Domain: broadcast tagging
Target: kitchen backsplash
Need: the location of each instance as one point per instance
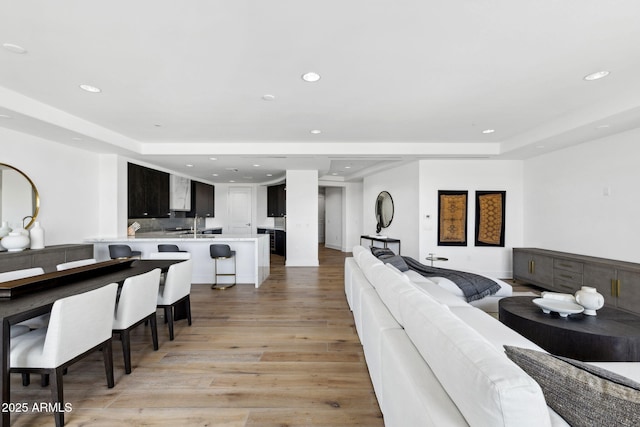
(166, 224)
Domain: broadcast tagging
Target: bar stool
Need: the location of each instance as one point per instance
(169, 248)
(219, 252)
(123, 251)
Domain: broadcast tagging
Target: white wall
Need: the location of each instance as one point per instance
(302, 218)
(471, 175)
(402, 184)
(566, 206)
(67, 179)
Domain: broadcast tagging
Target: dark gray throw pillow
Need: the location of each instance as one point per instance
(379, 252)
(582, 394)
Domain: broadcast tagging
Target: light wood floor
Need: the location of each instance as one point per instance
(285, 354)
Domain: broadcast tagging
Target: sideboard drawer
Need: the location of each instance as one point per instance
(568, 265)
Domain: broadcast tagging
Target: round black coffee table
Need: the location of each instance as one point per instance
(610, 336)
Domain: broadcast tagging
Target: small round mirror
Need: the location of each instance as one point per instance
(19, 199)
(384, 210)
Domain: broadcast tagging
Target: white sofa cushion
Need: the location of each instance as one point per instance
(375, 319)
(440, 295)
(489, 389)
(358, 250)
(492, 329)
(390, 286)
(412, 395)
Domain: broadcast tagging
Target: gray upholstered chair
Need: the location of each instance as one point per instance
(122, 251)
(169, 248)
(222, 252)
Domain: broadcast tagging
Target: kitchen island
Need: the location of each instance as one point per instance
(252, 253)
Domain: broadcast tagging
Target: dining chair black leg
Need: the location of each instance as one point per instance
(167, 313)
(107, 354)
(154, 330)
(188, 307)
(169, 318)
(57, 395)
(44, 380)
(26, 379)
(126, 350)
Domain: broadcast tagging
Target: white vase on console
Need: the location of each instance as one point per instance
(15, 241)
(37, 236)
(590, 299)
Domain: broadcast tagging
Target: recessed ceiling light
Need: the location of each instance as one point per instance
(488, 131)
(268, 97)
(347, 167)
(213, 158)
(335, 173)
(596, 75)
(269, 174)
(90, 88)
(231, 180)
(4, 116)
(214, 174)
(316, 131)
(311, 77)
(189, 165)
(14, 48)
(603, 127)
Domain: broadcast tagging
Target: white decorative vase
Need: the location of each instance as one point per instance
(15, 241)
(4, 230)
(590, 299)
(37, 236)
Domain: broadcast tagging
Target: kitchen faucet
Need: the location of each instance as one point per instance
(195, 225)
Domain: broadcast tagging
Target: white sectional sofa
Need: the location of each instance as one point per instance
(434, 359)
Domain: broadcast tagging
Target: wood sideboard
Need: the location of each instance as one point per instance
(46, 258)
(617, 281)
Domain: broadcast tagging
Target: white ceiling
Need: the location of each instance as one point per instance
(184, 81)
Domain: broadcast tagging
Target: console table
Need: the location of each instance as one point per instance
(46, 258)
(384, 240)
(610, 336)
(617, 281)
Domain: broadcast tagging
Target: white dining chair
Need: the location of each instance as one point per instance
(79, 325)
(75, 264)
(36, 322)
(176, 290)
(137, 304)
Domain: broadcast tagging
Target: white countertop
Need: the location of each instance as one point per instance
(160, 237)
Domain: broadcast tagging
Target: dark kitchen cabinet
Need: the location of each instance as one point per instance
(280, 243)
(202, 200)
(148, 192)
(277, 200)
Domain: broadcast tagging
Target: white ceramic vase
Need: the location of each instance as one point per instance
(37, 236)
(4, 230)
(590, 299)
(15, 241)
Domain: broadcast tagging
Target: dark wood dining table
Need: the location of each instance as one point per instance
(40, 292)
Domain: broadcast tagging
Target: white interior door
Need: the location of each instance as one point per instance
(240, 210)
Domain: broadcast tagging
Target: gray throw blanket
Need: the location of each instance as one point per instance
(473, 286)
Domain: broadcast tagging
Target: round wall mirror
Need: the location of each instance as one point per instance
(384, 210)
(19, 199)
